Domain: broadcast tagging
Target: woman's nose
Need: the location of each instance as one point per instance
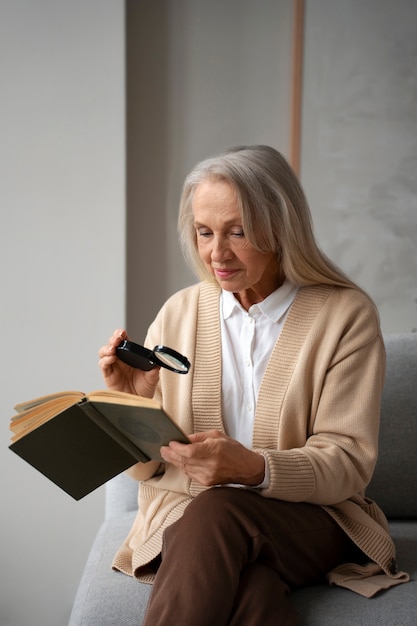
(220, 249)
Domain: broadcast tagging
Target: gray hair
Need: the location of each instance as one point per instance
(274, 210)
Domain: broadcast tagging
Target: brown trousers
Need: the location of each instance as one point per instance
(234, 556)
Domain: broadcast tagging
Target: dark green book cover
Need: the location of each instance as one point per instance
(90, 442)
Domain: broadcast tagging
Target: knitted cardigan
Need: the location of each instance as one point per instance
(316, 421)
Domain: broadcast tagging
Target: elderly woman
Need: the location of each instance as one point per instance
(281, 406)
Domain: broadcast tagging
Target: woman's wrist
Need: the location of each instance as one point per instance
(256, 473)
(259, 477)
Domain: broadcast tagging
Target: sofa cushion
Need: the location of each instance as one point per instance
(321, 606)
(394, 483)
(106, 597)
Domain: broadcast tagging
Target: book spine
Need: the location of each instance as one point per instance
(94, 414)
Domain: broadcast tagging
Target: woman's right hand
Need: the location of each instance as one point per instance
(121, 377)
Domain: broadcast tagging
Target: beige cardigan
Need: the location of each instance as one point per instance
(316, 421)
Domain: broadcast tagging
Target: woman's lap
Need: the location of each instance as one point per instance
(224, 536)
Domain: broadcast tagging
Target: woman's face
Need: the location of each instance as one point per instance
(224, 249)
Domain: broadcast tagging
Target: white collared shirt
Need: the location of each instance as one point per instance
(248, 338)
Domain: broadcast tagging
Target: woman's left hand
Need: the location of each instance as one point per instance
(213, 458)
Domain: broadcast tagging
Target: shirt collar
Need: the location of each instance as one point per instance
(274, 306)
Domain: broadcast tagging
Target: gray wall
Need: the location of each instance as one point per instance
(359, 149)
(202, 76)
(62, 207)
(218, 73)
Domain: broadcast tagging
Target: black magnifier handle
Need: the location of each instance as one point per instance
(135, 355)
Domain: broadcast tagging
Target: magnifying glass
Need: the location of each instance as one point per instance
(140, 357)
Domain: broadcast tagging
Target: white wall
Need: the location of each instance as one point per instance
(62, 268)
(359, 149)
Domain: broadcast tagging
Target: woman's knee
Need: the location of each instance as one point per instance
(216, 504)
(212, 522)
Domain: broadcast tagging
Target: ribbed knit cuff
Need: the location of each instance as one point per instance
(291, 476)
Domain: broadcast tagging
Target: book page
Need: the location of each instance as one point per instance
(24, 406)
(31, 418)
(119, 397)
(34, 413)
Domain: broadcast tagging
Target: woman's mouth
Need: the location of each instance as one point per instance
(224, 274)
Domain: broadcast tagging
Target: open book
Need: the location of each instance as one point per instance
(81, 441)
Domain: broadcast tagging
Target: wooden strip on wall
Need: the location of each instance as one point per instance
(296, 85)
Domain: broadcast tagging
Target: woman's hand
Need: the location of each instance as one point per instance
(121, 377)
(213, 458)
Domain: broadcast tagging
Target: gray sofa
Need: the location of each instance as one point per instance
(108, 598)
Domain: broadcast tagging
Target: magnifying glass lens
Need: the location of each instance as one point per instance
(171, 359)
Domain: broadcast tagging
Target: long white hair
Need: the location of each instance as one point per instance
(274, 211)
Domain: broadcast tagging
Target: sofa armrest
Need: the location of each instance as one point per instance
(121, 496)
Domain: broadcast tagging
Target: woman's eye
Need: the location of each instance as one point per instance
(238, 233)
(204, 233)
